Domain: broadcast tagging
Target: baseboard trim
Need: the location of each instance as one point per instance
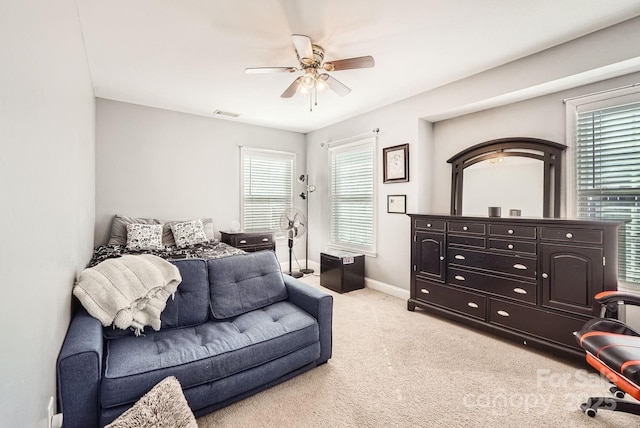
(386, 288)
(382, 287)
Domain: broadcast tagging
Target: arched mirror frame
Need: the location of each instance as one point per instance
(548, 152)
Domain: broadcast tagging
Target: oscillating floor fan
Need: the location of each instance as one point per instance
(293, 225)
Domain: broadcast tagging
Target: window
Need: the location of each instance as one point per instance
(267, 187)
(352, 172)
(607, 172)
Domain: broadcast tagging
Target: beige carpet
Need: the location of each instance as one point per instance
(395, 368)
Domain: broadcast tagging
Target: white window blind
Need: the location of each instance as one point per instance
(267, 188)
(352, 196)
(608, 176)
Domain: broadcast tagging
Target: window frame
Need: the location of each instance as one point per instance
(352, 145)
(574, 106)
(256, 152)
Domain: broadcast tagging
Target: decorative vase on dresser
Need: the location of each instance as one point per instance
(527, 279)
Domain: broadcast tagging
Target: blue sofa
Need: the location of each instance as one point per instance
(235, 327)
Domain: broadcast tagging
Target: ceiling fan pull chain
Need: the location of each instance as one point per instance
(315, 92)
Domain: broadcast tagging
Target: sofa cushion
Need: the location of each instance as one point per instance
(190, 304)
(206, 352)
(244, 282)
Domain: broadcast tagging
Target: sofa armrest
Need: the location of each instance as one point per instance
(79, 371)
(319, 305)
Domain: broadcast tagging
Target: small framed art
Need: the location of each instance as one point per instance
(397, 204)
(396, 163)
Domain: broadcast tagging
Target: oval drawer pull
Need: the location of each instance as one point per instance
(503, 313)
(473, 305)
(265, 239)
(545, 275)
(244, 241)
(520, 290)
(428, 224)
(569, 235)
(459, 277)
(460, 257)
(510, 231)
(465, 228)
(510, 246)
(519, 266)
(441, 257)
(424, 290)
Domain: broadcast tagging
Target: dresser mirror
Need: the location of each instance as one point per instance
(522, 174)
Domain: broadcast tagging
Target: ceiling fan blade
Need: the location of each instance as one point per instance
(350, 63)
(303, 47)
(292, 89)
(264, 70)
(339, 87)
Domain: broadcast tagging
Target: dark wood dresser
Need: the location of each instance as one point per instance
(250, 241)
(527, 279)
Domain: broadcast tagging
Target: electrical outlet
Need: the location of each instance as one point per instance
(50, 412)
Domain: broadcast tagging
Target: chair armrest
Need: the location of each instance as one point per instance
(79, 372)
(606, 297)
(319, 305)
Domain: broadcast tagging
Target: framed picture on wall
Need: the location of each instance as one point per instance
(396, 163)
(397, 204)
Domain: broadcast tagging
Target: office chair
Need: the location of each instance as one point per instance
(613, 348)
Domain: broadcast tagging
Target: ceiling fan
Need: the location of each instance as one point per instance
(315, 77)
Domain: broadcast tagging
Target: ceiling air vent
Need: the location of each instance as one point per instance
(225, 113)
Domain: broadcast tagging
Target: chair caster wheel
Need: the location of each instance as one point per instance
(589, 411)
(617, 392)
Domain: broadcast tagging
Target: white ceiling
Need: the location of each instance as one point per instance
(190, 55)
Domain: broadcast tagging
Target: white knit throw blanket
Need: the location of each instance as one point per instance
(129, 291)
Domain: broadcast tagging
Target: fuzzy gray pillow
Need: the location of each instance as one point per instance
(162, 407)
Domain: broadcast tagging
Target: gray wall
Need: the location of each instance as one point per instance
(172, 166)
(46, 194)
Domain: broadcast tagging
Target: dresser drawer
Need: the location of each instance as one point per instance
(531, 320)
(249, 241)
(511, 245)
(258, 239)
(468, 303)
(527, 232)
(587, 236)
(467, 241)
(502, 286)
(465, 227)
(502, 263)
(428, 224)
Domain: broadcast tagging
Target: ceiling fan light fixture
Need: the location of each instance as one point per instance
(308, 80)
(321, 85)
(303, 90)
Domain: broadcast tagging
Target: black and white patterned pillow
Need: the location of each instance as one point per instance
(189, 233)
(144, 236)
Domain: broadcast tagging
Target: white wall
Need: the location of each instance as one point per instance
(521, 98)
(163, 164)
(46, 194)
(392, 264)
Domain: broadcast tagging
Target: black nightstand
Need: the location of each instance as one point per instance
(250, 241)
(341, 271)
